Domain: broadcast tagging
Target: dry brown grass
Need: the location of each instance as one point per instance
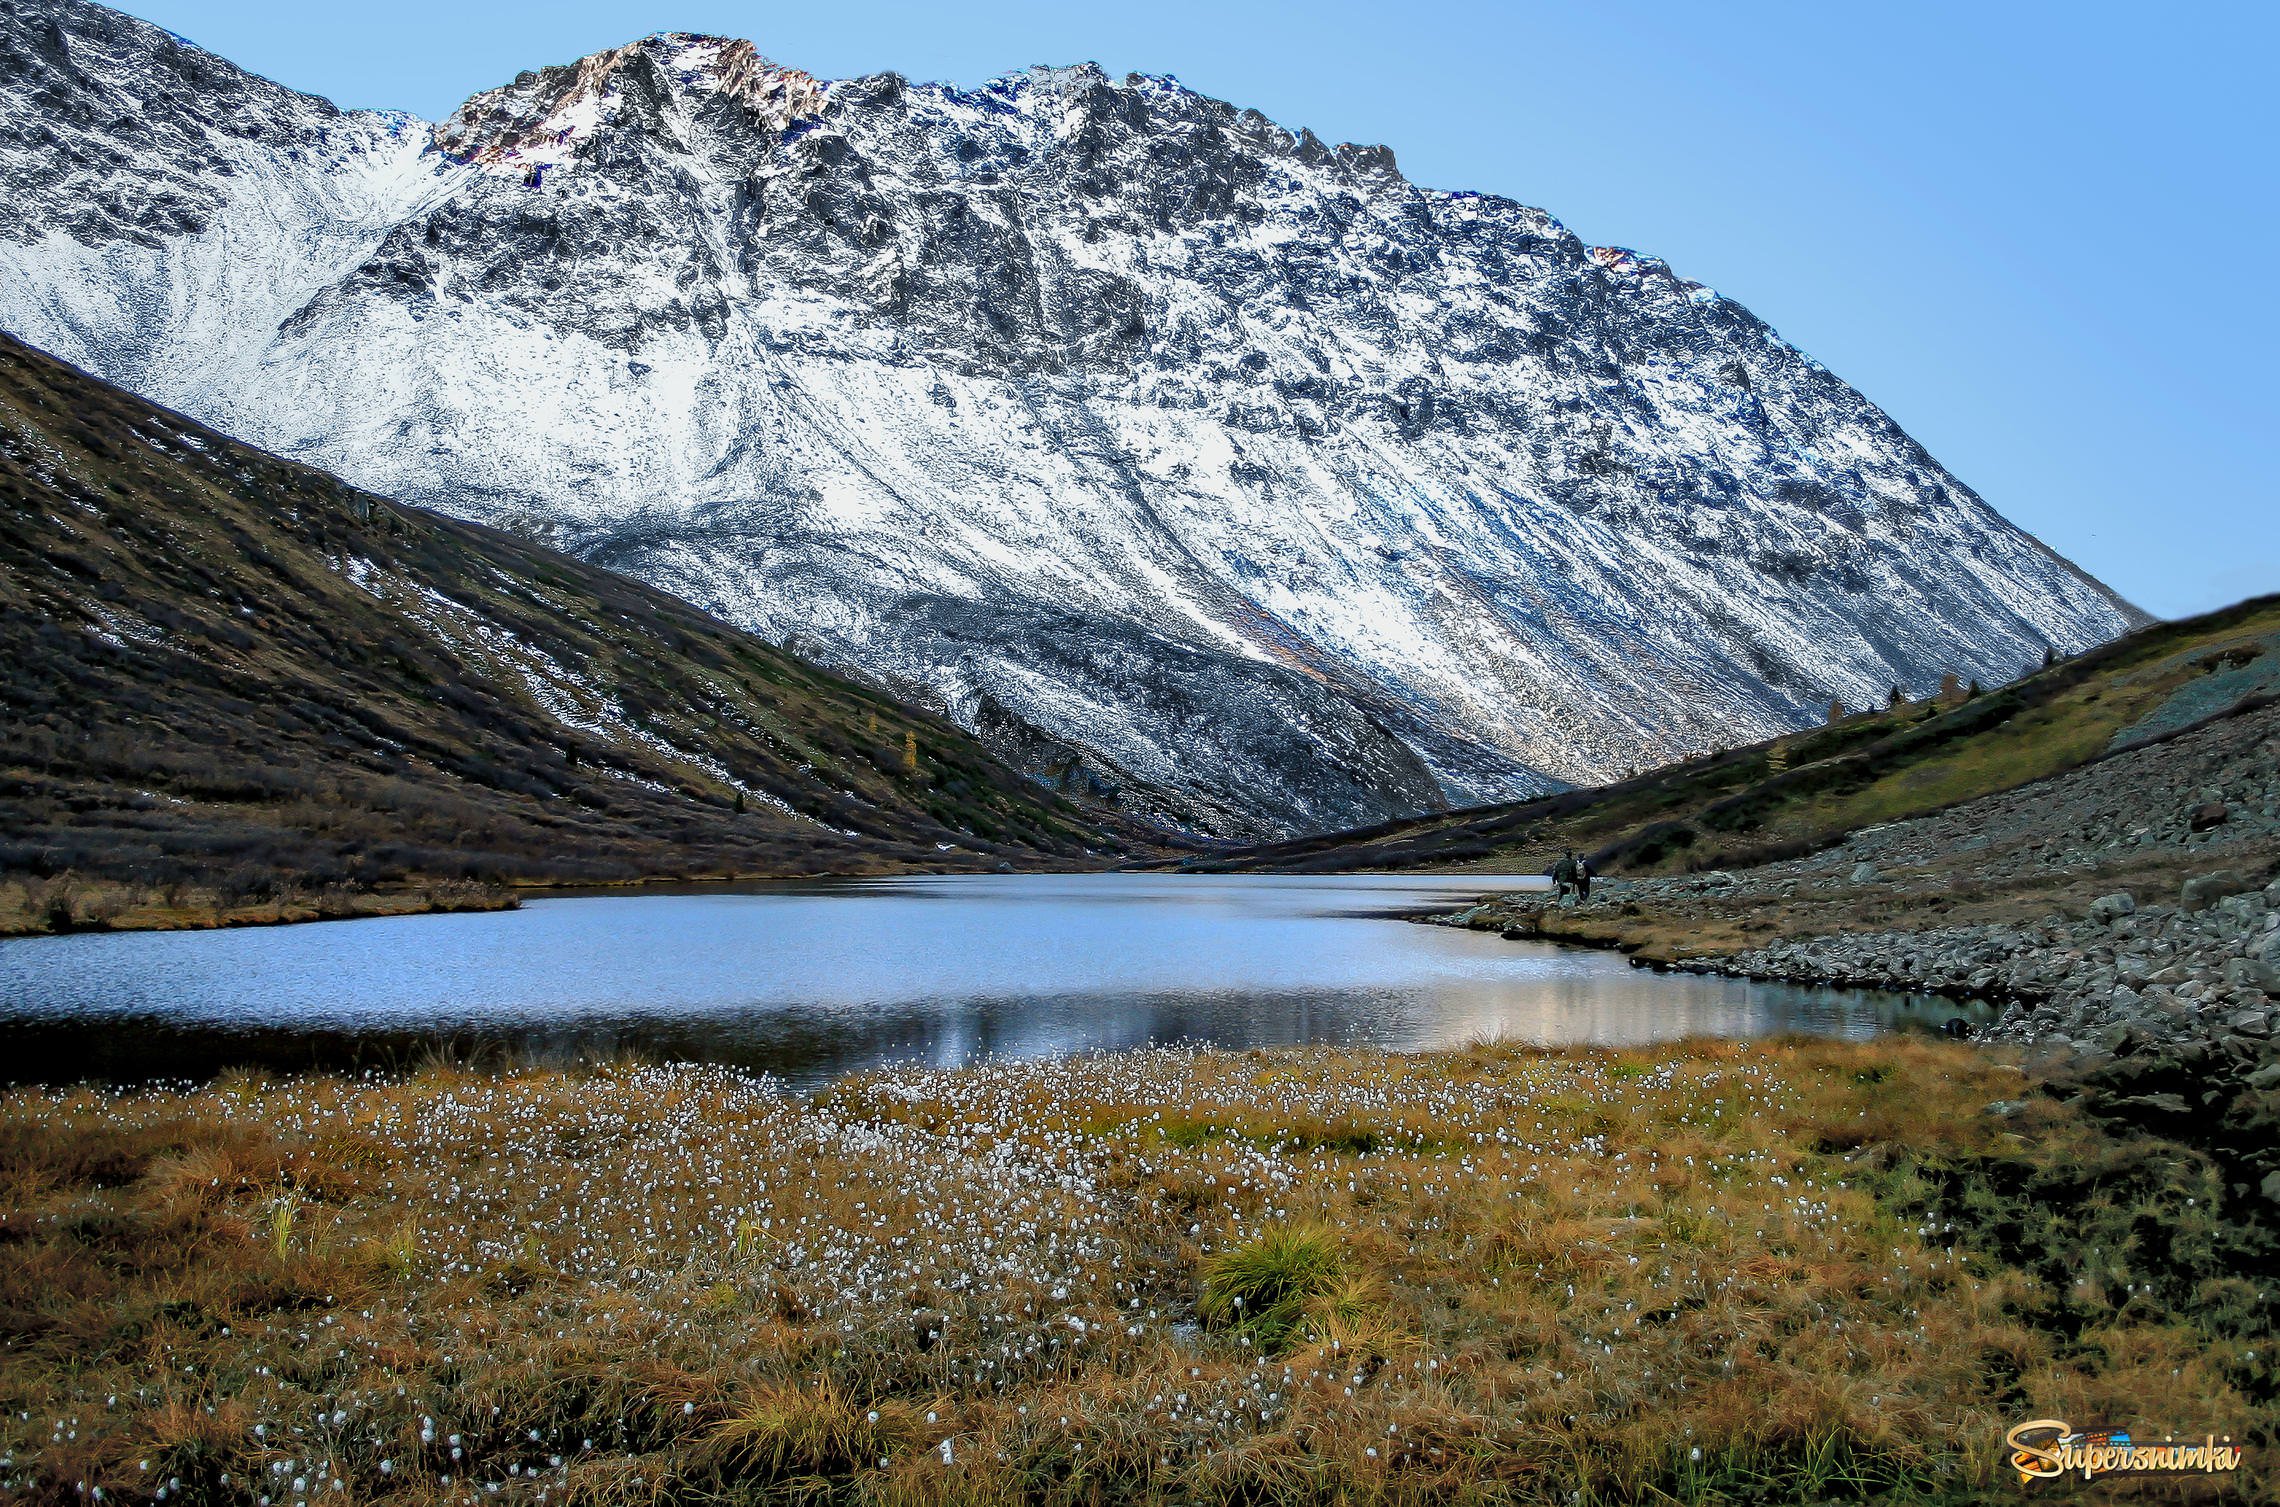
(1708, 1273)
(67, 903)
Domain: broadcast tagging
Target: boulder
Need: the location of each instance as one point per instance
(2159, 1104)
(2207, 815)
(2107, 909)
(1865, 873)
(2255, 973)
(2204, 890)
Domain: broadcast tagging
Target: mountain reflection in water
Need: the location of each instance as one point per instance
(811, 980)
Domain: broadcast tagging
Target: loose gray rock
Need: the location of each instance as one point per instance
(2204, 890)
(2162, 1103)
(2253, 973)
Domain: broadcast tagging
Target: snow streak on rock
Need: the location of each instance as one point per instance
(1194, 462)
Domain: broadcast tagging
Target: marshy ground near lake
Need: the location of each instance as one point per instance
(1799, 1270)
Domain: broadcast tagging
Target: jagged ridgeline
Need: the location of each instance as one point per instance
(220, 667)
(1208, 468)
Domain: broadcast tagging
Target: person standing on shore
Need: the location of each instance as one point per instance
(1563, 877)
(1583, 881)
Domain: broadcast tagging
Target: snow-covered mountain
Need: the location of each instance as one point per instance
(1171, 451)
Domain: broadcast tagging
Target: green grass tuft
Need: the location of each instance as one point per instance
(1264, 1287)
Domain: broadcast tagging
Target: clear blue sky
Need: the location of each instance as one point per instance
(2041, 236)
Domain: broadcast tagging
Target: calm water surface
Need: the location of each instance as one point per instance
(816, 979)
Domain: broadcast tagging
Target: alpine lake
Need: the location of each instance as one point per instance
(809, 981)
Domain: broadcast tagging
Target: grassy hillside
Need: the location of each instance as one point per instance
(1799, 793)
(228, 674)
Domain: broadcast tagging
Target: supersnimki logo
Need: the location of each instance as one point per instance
(2044, 1449)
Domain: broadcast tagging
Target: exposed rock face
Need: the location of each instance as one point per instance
(1274, 491)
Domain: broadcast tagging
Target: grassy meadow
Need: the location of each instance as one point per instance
(1795, 1271)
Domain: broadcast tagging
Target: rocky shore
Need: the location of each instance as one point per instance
(2140, 892)
(2204, 968)
(2124, 918)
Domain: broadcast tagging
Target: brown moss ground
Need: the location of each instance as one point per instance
(1718, 1272)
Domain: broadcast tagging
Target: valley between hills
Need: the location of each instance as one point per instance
(239, 690)
(1066, 477)
(1703, 1271)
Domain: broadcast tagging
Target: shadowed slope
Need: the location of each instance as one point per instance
(221, 668)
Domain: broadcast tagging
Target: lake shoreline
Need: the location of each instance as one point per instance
(68, 907)
(28, 904)
(812, 979)
(2148, 983)
(2165, 957)
(1501, 1270)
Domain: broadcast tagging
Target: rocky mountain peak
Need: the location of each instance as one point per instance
(544, 117)
(1144, 432)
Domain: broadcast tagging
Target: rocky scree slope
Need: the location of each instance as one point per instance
(1212, 470)
(224, 669)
